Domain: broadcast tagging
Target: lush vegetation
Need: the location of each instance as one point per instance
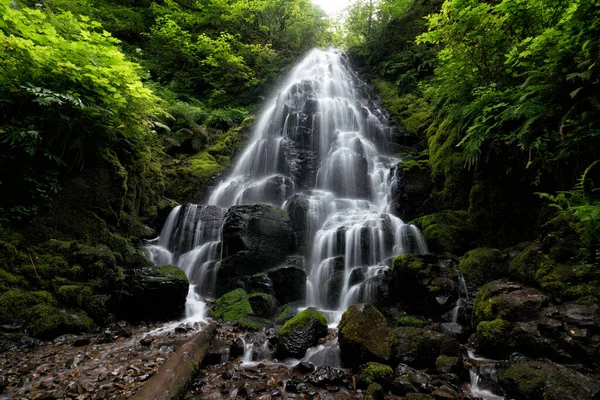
(111, 112)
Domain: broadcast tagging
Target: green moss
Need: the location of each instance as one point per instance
(171, 272)
(410, 262)
(483, 264)
(10, 281)
(8, 255)
(374, 391)
(419, 396)
(367, 330)
(74, 295)
(373, 372)
(301, 321)
(494, 337)
(46, 321)
(447, 232)
(286, 314)
(249, 325)
(15, 305)
(531, 265)
(232, 306)
(445, 364)
(408, 320)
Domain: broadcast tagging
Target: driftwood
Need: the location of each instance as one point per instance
(174, 376)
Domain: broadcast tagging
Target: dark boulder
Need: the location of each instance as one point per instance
(288, 282)
(420, 348)
(411, 189)
(263, 305)
(300, 333)
(152, 294)
(256, 238)
(326, 375)
(409, 380)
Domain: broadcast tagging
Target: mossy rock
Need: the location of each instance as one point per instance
(373, 372)
(408, 320)
(46, 322)
(16, 305)
(374, 392)
(531, 264)
(286, 314)
(536, 380)
(9, 281)
(232, 306)
(263, 305)
(484, 264)
(494, 338)
(424, 284)
(446, 364)
(300, 333)
(10, 257)
(419, 348)
(74, 295)
(510, 301)
(364, 336)
(448, 232)
(419, 396)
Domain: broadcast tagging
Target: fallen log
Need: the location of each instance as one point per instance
(173, 377)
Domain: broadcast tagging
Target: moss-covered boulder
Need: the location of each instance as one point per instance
(446, 365)
(152, 294)
(531, 264)
(500, 299)
(494, 338)
(46, 321)
(448, 232)
(16, 305)
(536, 380)
(364, 336)
(263, 305)
(232, 307)
(300, 333)
(484, 264)
(420, 348)
(423, 284)
(373, 372)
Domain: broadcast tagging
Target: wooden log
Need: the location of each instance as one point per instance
(174, 376)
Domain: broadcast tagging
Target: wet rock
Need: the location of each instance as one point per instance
(256, 238)
(326, 375)
(289, 283)
(484, 264)
(263, 305)
(411, 190)
(455, 330)
(300, 333)
(536, 380)
(425, 285)
(364, 336)
(237, 348)
(305, 367)
(146, 342)
(83, 341)
(446, 365)
(152, 294)
(409, 380)
(374, 392)
(420, 348)
(372, 372)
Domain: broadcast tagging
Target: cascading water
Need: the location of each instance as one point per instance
(321, 145)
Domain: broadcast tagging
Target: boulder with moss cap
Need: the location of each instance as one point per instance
(300, 333)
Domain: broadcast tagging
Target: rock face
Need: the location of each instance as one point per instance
(256, 238)
(411, 189)
(152, 294)
(512, 317)
(300, 333)
(424, 285)
(364, 336)
(535, 380)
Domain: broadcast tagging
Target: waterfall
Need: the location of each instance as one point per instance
(323, 141)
